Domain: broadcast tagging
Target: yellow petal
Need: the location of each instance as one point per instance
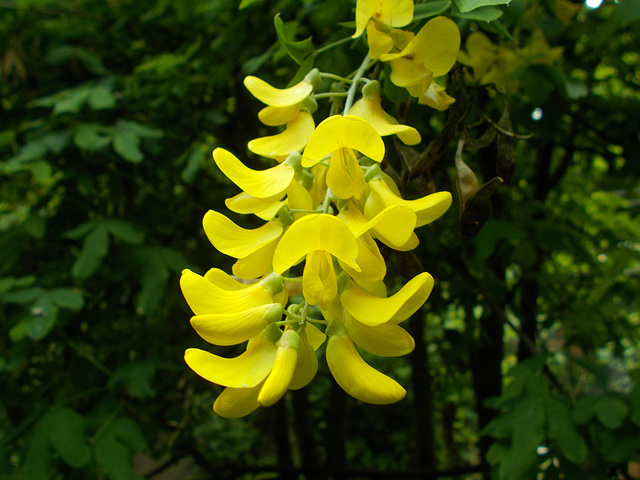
(372, 310)
(205, 297)
(436, 97)
(258, 183)
(237, 402)
(299, 197)
(264, 208)
(428, 208)
(372, 265)
(371, 110)
(345, 177)
(364, 11)
(244, 371)
(343, 132)
(395, 13)
(235, 241)
(387, 339)
(292, 139)
(273, 116)
(379, 42)
(277, 97)
(393, 225)
(235, 327)
(284, 366)
(314, 336)
(406, 73)
(319, 282)
(306, 368)
(315, 232)
(256, 264)
(221, 279)
(356, 377)
(437, 45)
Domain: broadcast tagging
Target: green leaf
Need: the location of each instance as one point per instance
(67, 436)
(101, 98)
(9, 283)
(528, 435)
(154, 277)
(137, 379)
(125, 231)
(583, 411)
(94, 249)
(127, 144)
(482, 14)
(37, 464)
(194, 161)
(44, 314)
(563, 433)
(297, 50)
(26, 295)
(430, 9)
(67, 298)
(66, 53)
(72, 101)
(247, 3)
(92, 136)
(114, 447)
(81, 230)
(611, 411)
(468, 5)
(634, 403)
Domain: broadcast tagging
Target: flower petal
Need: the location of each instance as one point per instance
(237, 402)
(264, 208)
(256, 264)
(343, 132)
(306, 368)
(234, 240)
(315, 232)
(386, 339)
(292, 139)
(372, 265)
(372, 310)
(244, 371)
(356, 377)
(379, 42)
(258, 183)
(428, 208)
(345, 177)
(369, 108)
(236, 327)
(284, 366)
(437, 45)
(277, 97)
(319, 282)
(274, 116)
(205, 297)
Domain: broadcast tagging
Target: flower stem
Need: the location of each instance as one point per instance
(332, 76)
(352, 89)
(331, 45)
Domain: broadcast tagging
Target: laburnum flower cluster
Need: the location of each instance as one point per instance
(313, 272)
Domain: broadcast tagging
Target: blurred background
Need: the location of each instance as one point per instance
(526, 360)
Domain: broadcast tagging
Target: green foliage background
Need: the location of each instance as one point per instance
(109, 113)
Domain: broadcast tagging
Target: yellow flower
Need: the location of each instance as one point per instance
(278, 97)
(257, 183)
(206, 297)
(341, 137)
(427, 209)
(430, 54)
(386, 339)
(284, 366)
(371, 310)
(378, 17)
(370, 108)
(236, 241)
(292, 139)
(317, 237)
(354, 375)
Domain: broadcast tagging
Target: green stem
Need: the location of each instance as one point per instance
(329, 95)
(354, 86)
(331, 45)
(333, 76)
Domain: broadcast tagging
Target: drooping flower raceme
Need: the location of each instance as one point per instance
(310, 272)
